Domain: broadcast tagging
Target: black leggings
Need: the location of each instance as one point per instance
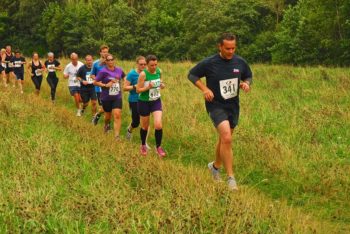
(134, 114)
(53, 81)
(37, 81)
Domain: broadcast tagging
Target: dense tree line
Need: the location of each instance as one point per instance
(278, 31)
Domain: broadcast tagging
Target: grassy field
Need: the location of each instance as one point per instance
(60, 174)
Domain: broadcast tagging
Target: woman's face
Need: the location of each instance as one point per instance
(141, 64)
(35, 56)
(110, 61)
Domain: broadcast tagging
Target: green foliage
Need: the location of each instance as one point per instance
(279, 31)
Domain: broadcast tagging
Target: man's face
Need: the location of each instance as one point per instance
(18, 55)
(88, 61)
(104, 52)
(227, 49)
(74, 59)
(152, 65)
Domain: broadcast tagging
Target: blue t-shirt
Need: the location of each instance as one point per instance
(96, 68)
(132, 77)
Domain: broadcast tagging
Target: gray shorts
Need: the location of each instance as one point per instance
(219, 115)
(73, 90)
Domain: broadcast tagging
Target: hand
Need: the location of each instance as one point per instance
(162, 85)
(245, 86)
(85, 82)
(109, 84)
(150, 85)
(208, 95)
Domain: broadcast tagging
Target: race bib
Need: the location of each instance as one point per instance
(154, 94)
(18, 64)
(3, 65)
(89, 79)
(10, 65)
(38, 72)
(51, 68)
(114, 89)
(229, 88)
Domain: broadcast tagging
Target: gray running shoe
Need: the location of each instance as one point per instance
(215, 172)
(232, 184)
(96, 118)
(107, 128)
(128, 134)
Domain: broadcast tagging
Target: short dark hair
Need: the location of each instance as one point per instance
(150, 58)
(17, 51)
(226, 36)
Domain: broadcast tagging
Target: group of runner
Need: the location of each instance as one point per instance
(102, 81)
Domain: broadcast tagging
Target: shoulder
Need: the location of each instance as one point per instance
(240, 60)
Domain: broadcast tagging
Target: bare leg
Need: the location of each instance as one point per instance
(225, 147)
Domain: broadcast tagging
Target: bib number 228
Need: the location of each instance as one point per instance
(114, 89)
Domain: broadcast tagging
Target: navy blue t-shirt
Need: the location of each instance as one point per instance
(223, 77)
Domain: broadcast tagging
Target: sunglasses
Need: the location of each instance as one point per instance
(109, 59)
(142, 64)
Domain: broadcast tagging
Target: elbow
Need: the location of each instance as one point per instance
(192, 78)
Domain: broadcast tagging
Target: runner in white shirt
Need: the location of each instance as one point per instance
(70, 73)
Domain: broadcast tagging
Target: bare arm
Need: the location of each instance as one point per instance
(127, 86)
(141, 83)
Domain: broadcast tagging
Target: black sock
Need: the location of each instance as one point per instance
(158, 134)
(143, 134)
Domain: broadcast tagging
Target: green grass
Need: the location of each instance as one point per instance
(58, 173)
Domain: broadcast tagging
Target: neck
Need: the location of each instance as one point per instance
(110, 68)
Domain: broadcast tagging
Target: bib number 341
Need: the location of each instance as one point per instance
(229, 88)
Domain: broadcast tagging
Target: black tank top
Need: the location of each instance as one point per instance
(34, 68)
(8, 57)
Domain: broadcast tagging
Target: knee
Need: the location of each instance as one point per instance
(158, 126)
(117, 115)
(226, 138)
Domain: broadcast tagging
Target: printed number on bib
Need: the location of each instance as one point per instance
(10, 65)
(114, 89)
(89, 79)
(3, 65)
(51, 68)
(154, 94)
(229, 88)
(38, 72)
(18, 64)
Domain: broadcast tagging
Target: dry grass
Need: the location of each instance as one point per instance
(58, 173)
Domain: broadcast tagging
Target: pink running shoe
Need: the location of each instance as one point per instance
(161, 153)
(143, 150)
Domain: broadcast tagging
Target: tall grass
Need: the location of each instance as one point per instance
(58, 173)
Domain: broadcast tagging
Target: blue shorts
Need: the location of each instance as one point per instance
(73, 90)
(19, 76)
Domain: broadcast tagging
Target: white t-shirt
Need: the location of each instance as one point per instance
(72, 71)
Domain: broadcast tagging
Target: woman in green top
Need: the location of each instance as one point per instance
(148, 86)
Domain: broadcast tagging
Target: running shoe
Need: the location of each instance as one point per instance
(161, 153)
(128, 133)
(96, 118)
(107, 128)
(214, 172)
(148, 147)
(232, 184)
(78, 112)
(143, 150)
